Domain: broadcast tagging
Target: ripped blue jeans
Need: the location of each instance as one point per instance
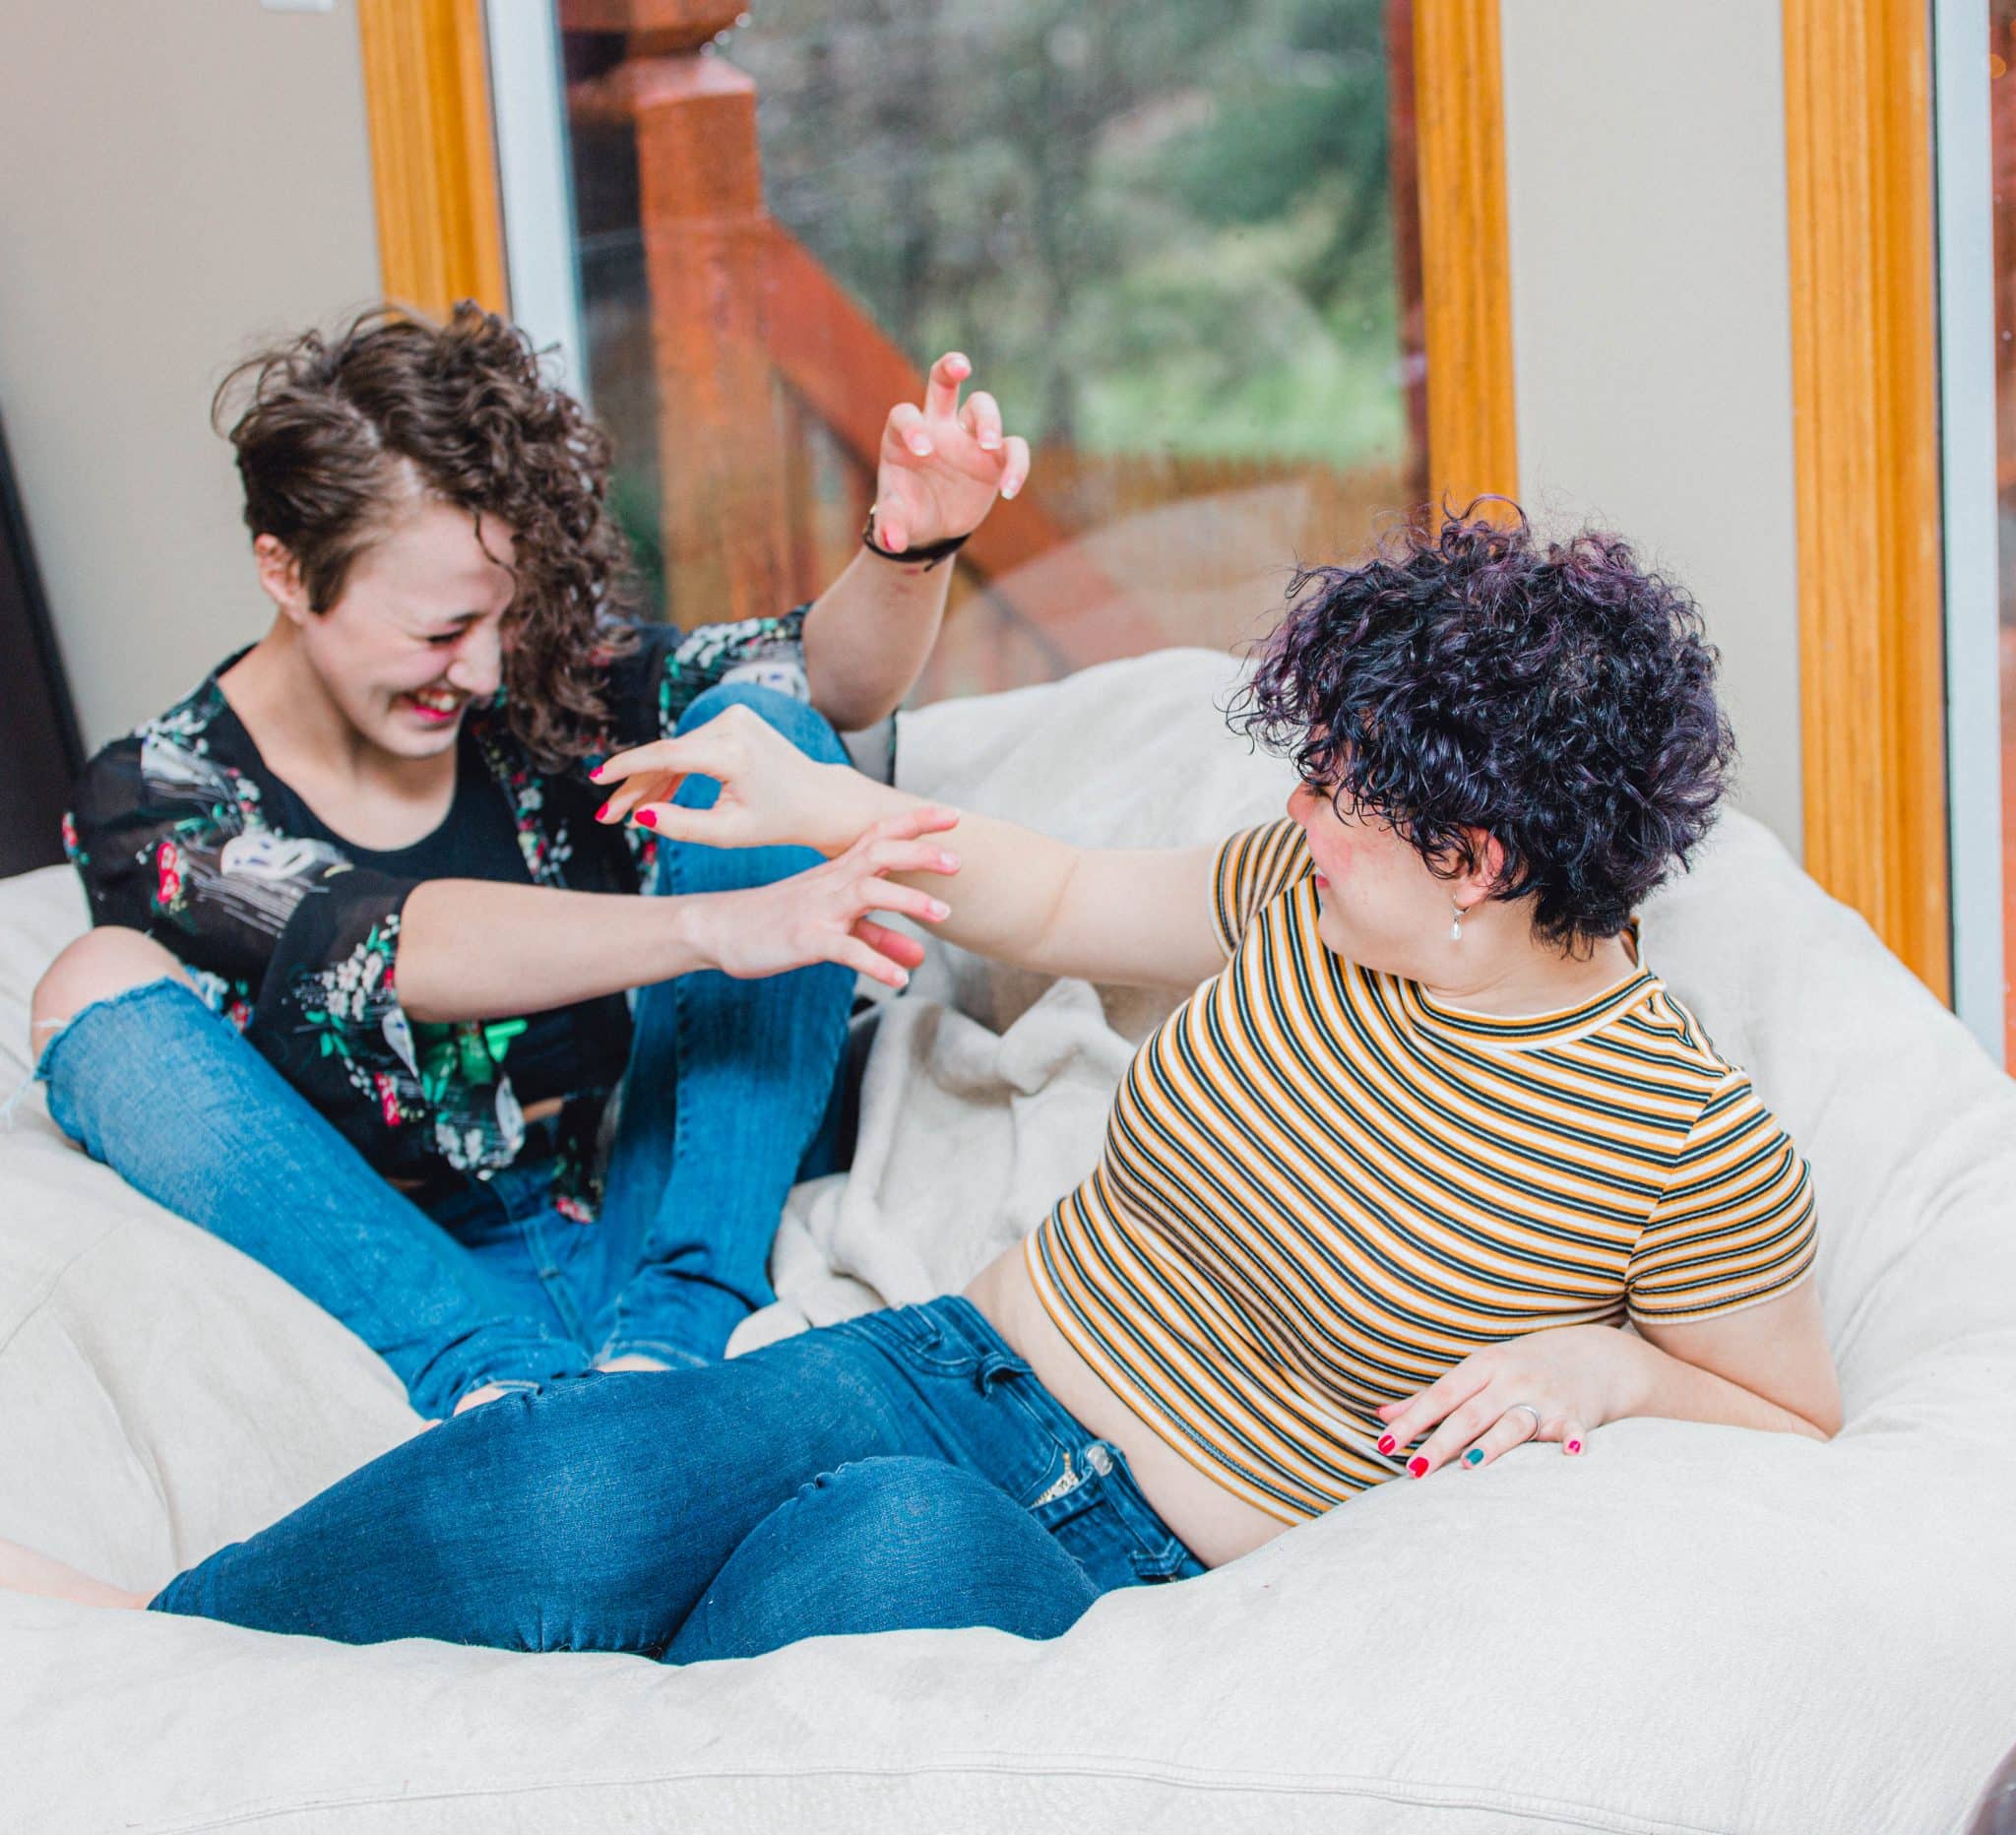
(727, 1087)
(902, 1471)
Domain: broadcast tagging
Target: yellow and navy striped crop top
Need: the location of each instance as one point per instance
(1320, 1190)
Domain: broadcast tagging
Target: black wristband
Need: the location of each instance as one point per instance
(930, 554)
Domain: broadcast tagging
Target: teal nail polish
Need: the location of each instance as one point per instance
(1475, 1457)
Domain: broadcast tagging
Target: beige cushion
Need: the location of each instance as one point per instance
(1691, 1628)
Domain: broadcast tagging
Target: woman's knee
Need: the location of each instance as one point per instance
(891, 1544)
(99, 964)
(799, 721)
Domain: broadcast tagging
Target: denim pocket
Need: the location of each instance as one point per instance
(1100, 1517)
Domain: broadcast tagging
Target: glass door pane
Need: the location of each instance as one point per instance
(1178, 238)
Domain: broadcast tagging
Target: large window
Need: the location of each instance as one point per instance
(1176, 236)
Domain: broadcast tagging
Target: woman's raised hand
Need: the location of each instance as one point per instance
(770, 793)
(822, 913)
(942, 464)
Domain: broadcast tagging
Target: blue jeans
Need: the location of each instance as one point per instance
(898, 1470)
(727, 1084)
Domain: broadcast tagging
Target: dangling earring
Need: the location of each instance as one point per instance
(1456, 928)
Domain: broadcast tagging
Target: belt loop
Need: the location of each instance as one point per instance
(991, 1367)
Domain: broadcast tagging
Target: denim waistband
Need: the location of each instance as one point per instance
(953, 1330)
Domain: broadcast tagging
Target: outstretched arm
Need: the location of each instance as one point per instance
(1140, 915)
(939, 470)
(473, 948)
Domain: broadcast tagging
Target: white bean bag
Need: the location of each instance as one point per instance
(1690, 1628)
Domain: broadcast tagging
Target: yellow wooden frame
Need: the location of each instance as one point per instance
(433, 152)
(1465, 254)
(1858, 193)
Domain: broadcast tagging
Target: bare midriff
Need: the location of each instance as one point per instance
(1213, 1524)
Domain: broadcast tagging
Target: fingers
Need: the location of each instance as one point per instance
(982, 417)
(908, 824)
(1015, 465)
(671, 821)
(941, 388)
(897, 945)
(708, 748)
(1513, 1428)
(886, 857)
(1408, 1419)
(1463, 1426)
(907, 427)
(852, 953)
(631, 799)
(1574, 1437)
(885, 894)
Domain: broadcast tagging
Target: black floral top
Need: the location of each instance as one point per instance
(181, 832)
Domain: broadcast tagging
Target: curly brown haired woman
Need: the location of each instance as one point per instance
(361, 940)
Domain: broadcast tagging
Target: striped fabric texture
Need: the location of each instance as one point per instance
(1320, 1189)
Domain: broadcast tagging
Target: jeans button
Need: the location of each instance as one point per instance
(1098, 1458)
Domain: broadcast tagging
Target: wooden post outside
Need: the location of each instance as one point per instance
(706, 248)
(1859, 195)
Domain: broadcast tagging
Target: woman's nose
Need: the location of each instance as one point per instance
(476, 668)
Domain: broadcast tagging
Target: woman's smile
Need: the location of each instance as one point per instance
(433, 707)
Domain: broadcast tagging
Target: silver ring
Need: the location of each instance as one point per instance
(1533, 1412)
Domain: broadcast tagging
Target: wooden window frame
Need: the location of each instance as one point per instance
(1466, 251)
(1860, 211)
(433, 153)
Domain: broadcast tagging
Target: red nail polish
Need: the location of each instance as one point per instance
(1388, 1443)
(1574, 1446)
(596, 773)
(647, 819)
(1416, 1466)
(602, 811)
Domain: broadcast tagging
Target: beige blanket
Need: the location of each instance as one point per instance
(1692, 1628)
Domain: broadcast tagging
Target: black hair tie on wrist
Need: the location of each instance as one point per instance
(930, 554)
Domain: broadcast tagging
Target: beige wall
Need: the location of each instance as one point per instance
(1645, 147)
(182, 178)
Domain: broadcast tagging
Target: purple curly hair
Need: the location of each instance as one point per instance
(1467, 681)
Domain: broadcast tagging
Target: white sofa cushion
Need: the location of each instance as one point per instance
(1690, 1628)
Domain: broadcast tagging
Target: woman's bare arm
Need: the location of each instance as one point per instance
(1766, 1367)
(473, 949)
(937, 474)
(1139, 916)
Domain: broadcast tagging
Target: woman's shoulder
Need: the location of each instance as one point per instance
(1665, 1032)
(198, 726)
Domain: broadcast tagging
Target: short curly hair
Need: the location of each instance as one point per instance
(324, 432)
(1469, 681)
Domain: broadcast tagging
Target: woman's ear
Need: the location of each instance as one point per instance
(280, 574)
(1490, 853)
